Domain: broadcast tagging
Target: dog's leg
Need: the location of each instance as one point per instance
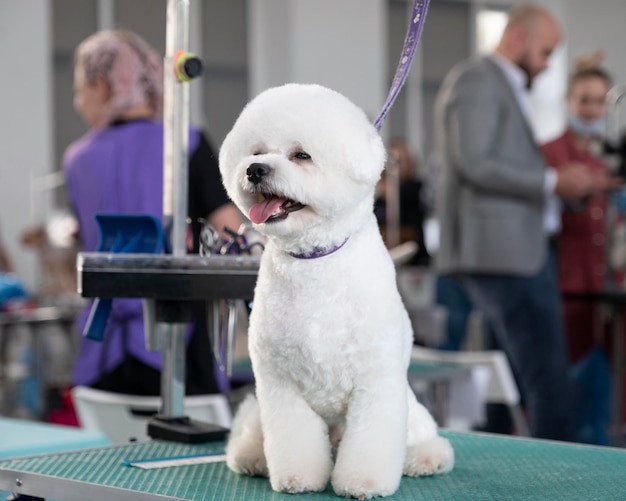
(371, 452)
(244, 452)
(297, 445)
(427, 453)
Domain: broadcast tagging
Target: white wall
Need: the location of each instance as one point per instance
(547, 97)
(340, 44)
(25, 122)
(598, 24)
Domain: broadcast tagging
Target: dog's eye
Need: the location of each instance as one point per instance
(258, 149)
(301, 155)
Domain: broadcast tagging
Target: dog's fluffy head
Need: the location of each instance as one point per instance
(302, 162)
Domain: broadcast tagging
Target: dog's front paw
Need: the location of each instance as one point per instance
(247, 460)
(308, 472)
(362, 488)
(429, 457)
(293, 483)
(255, 467)
(357, 483)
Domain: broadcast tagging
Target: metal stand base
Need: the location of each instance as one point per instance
(185, 430)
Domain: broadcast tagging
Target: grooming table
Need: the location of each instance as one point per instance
(487, 467)
(19, 437)
(166, 277)
(168, 284)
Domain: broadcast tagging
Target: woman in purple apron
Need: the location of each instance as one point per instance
(117, 167)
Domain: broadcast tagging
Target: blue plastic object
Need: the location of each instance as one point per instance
(592, 377)
(121, 233)
(618, 199)
(11, 287)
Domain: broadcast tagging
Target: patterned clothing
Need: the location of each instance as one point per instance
(581, 248)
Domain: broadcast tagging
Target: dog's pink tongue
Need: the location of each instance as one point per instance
(259, 213)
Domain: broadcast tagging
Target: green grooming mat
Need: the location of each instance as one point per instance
(487, 467)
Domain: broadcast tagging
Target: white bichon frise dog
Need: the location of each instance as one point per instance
(330, 339)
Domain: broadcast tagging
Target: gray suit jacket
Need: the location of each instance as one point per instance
(490, 195)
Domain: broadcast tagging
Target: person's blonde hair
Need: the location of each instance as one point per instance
(588, 66)
(130, 66)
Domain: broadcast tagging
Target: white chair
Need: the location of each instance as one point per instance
(501, 388)
(122, 417)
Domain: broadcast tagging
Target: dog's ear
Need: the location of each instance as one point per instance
(368, 161)
(227, 160)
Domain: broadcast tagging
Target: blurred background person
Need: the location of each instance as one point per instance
(496, 207)
(117, 167)
(581, 242)
(6, 265)
(412, 210)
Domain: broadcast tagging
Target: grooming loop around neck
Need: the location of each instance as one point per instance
(318, 252)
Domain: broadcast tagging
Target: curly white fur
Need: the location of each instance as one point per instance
(329, 337)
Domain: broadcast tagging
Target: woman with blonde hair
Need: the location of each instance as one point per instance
(581, 252)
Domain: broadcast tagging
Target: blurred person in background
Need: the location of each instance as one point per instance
(6, 265)
(412, 210)
(581, 242)
(582, 245)
(496, 205)
(117, 167)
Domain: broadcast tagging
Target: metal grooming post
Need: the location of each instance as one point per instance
(168, 334)
(175, 186)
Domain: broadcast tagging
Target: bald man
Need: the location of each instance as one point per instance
(497, 213)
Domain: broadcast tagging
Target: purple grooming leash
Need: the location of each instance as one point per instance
(413, 34)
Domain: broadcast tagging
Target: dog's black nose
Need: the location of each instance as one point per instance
(256, 172)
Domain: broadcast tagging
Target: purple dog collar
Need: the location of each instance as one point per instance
(413, 34)
(318, 252)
